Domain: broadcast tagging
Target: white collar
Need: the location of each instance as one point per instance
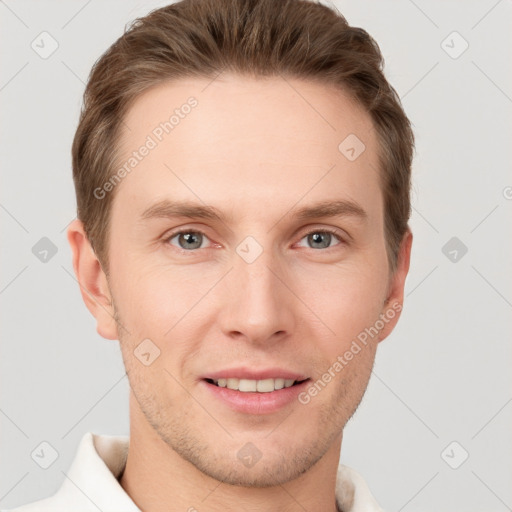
(91, 482)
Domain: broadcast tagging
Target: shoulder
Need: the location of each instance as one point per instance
(353, 493)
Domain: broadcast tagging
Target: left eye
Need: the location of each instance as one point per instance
(321, 239)
(189, 240)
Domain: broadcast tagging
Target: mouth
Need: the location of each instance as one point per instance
(255, 397)
(255, 386)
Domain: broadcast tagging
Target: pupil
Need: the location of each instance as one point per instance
(192, 241)
(323, 239)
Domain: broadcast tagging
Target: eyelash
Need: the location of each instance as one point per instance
(172, 235)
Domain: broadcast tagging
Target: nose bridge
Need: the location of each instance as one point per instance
(259, 281)
(259, 304)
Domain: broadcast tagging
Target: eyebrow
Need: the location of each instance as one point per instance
(170, 209)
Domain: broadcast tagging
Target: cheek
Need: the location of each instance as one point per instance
(155, 305)
(347, 298)
(154, 299)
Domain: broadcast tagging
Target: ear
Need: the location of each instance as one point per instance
(92, 280)
(393, 304)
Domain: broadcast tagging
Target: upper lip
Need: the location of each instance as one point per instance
(252, 374)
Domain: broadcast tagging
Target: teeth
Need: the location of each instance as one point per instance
(232, 383)
(251, 386)
(278, 383)
(247, 385)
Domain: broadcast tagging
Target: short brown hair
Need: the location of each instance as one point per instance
(201, 38)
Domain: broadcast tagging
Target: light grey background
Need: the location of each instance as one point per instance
(444, 375)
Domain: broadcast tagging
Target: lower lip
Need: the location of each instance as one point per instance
(256, 403)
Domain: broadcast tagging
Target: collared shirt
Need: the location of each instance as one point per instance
(91, 484)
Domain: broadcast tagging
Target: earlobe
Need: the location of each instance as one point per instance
(395, 298)
(93, 282)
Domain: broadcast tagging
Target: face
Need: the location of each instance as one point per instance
(246, 244)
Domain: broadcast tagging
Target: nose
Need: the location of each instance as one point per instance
(258, 303)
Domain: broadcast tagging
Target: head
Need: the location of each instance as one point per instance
(242, 171)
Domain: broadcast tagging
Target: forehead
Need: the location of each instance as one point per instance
(239, 138)
(249, 107)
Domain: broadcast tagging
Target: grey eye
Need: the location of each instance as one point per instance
(189, 240)
(319, 239)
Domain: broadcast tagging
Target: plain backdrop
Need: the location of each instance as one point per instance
(433, 431)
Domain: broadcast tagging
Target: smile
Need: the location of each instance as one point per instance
(251, 386)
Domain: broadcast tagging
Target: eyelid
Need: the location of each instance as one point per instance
(173, 233)
(339, 234)
(325, 229)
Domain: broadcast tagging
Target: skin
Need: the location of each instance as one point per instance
(257, 150)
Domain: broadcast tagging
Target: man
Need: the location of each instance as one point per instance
(242, 171)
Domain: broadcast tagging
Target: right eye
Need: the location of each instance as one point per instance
(187, 240)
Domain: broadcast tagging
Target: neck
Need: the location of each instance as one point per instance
(157, 479)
